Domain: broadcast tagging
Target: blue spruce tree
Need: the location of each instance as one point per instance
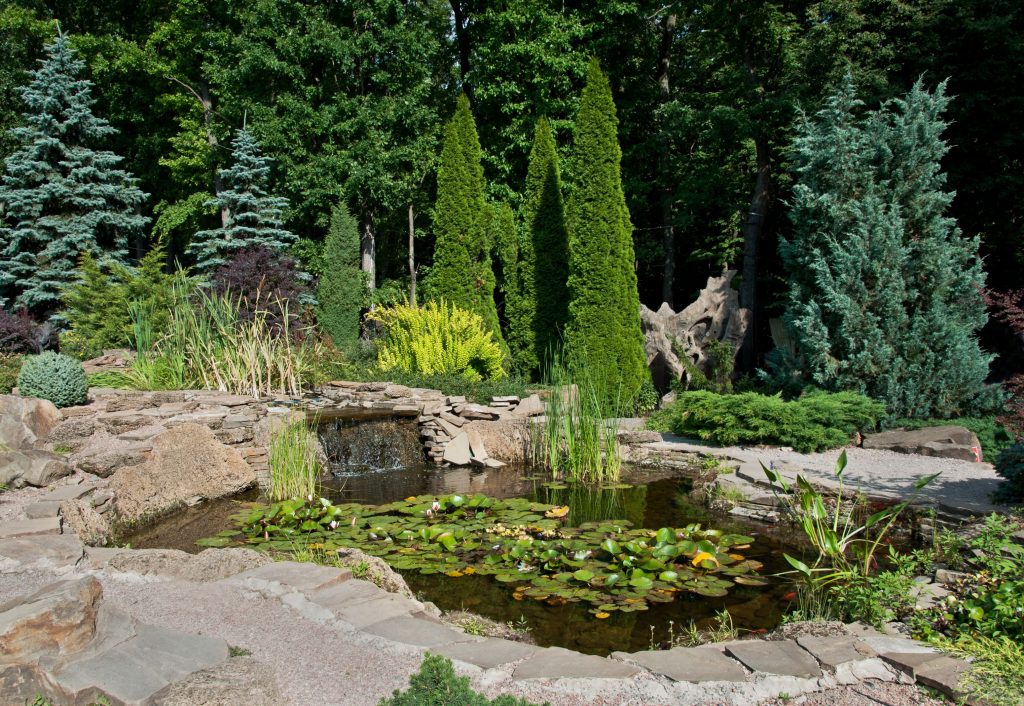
(61, 196)
(255, 217)
(884, 290)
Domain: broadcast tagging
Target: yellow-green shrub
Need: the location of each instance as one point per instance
(437, 339)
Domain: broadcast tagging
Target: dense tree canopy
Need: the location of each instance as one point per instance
(350, 98)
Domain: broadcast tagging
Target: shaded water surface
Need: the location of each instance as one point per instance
(650, 501)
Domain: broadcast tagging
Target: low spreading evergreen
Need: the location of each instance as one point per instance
(62, 196)
(884, 290)
(462, 274)
(341, 292)
(255, 216)
(603, 332)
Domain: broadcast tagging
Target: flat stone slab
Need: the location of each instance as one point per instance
(363, 613)
(135, 669)
(943, 674)
(690, 664)
(883, 644)
(414, 631)
(71, 491)
(25, 528)
(55, 549)
(782, 657)
(911, 662)
(42, 509)
(489, 653)
(557, 663)
(834, 651)
(301, 577)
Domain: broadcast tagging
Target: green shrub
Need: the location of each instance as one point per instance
(10, 366)
(53, 377)
(437, 685)
(437, 339)
(341, 293)
(1010, 465)
(98, 304)
(814, 421)
(993, 436)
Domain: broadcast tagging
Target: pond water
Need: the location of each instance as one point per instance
(652, 499)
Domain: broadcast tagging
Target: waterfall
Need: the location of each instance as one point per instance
(360, 445)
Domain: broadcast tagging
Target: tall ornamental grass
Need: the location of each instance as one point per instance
(209, 344)
(579, 440)
(294, 466)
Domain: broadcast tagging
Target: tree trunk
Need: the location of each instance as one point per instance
(462, 37)
(412, 257)
(211, 140)
(668, 236)
(368, 253)
(753, 225)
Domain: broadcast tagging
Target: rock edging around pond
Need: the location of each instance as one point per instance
(358, 612)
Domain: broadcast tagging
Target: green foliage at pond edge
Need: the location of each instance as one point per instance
(606, 564)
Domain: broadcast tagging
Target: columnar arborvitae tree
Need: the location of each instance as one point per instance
(603, 333)
(461, 273)
(545, 246)
(61, 196)
(341, 292)
(536, 299)
(884, 291)
(255, 215)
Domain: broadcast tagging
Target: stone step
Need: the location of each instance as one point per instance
(689, 664)
(56, 550)
(290, 574)
(783, 657)
(42, 509)
(489, 653)
(131, 671)
(556, 662)
(418, 632)
(25, 528)
(361, 604)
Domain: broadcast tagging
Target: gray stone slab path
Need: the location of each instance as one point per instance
(963, 487)
(488, 653)
(558, 663)
(689, 664)
(784, 657)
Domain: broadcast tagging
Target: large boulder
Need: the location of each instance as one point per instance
(57, 620)
(187, 465)
(946, 441)
(31, 467)
(716, 315)
(25, 421)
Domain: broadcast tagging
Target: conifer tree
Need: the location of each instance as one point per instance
(884, 290)
(62, 196)
(461, 273)
(603, 334)
(545, 247)
(255, 215)
(341, 292)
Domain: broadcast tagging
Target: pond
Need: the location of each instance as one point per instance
(650, 499)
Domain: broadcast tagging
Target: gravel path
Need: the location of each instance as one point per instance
(961, 484)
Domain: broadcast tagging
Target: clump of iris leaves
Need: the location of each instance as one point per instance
(607, 564)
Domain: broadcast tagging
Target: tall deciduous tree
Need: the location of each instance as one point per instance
(884, 291)
(62, 196)
(603, 333)
(341, 292)
(461, 273)
(255, 216)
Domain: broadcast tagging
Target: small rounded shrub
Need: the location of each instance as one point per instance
(1010, 465)
(55, 377)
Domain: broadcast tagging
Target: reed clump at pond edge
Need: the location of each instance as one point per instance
(579, 437)
(294, 464)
